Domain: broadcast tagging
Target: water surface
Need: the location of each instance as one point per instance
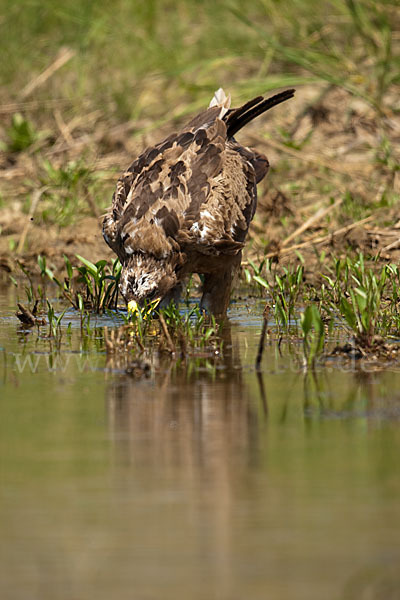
(204, 481)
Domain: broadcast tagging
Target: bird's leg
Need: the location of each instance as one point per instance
(217, 288)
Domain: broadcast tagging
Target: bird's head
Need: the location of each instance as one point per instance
(146, 278)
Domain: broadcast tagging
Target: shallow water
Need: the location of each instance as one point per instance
(204, 481)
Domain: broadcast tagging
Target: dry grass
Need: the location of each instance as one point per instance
(94, 86)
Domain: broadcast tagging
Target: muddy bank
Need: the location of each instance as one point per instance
(83, 238)
(333, 187)
(381, 245)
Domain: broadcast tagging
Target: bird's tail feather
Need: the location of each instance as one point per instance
(239, 117)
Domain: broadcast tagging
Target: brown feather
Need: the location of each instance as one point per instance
(185, 205)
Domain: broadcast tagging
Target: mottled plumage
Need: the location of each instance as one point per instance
(185, 206)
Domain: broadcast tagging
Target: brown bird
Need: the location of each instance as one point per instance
(185, 206)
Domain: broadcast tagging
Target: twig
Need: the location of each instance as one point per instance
(320, 240)
(30, 105)
(63, 57)
(25, 316)
(262, 338)
(28, 317)
(322, 212)
(139, 343)
(12, 173)
(65, 131)
(86, 119)
(391, 246)
(171, 346)
(86, 139)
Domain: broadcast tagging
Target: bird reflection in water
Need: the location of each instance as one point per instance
(189, 432)
(198, 410)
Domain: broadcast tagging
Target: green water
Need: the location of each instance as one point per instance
(201, 482)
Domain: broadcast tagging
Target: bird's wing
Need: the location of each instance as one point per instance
(191, 191)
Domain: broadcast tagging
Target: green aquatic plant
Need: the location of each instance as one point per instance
(139, 321)
(313, 333)
(189, 330)
(54, 321)
(284, 291)
(181, 335)
(255, 274)
(362, 298)
(361, 309)
(98, 283)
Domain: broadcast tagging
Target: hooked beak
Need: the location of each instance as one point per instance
(132, 307)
